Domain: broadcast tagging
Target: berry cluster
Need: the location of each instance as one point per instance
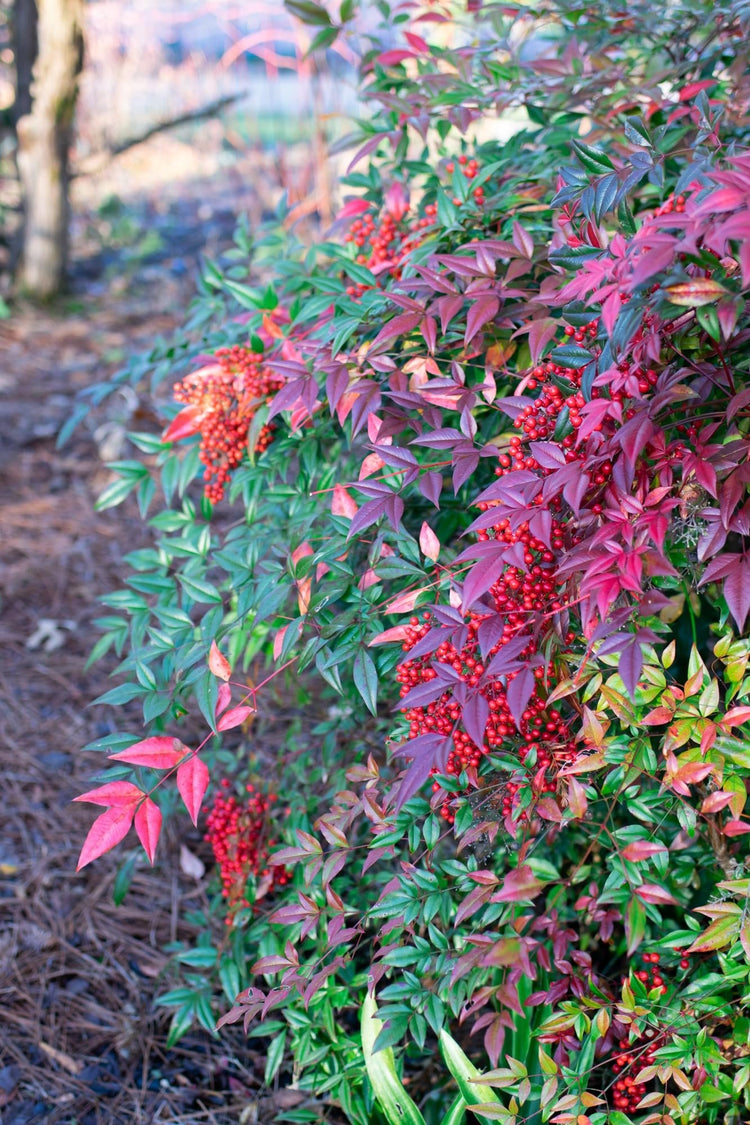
(528, 598)
(638, 1052)
(226, 396)
(238, 833)
(384, 238)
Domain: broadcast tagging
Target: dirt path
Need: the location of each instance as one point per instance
(79, 1038)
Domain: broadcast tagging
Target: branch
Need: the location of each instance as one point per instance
(100, 159)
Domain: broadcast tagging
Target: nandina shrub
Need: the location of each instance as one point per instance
(484, 451)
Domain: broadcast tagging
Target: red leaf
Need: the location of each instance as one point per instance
(642, 849)
(217, 663)
(105, 833)
(651, 892)
(736, 591)
(393, 57)
(115, 794)
(185, 424)
(483, 310)
(158, 753)
(234, 718)
(148, 826)
(192, 782)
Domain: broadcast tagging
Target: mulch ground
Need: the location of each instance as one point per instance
(80, 1039)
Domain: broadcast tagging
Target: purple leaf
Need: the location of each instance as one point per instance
(430, 485)
(476, 712)
(519, 693)
(630, 665)
(428, 752)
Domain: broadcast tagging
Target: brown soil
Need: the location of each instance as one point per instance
(80, 1039)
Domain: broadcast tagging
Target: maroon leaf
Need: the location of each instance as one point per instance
(483, 310)
(736, 591)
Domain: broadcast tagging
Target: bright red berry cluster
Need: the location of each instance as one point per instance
(226, 396)
(384, 238)
(238, 832)
(638, 1052)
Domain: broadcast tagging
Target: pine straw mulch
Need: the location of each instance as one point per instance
(80, 1039)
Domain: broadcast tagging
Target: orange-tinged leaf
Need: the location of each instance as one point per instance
(577, 802)
(404, 603)
(148, 826)
(343, 503)
(185, 424)
(115, 794)
(519, 885)
(389, 636)
(105, 833)
(192, 782)
(158, 753)
(218, 663)
(234, 718)
(693, 294)
(720, 933)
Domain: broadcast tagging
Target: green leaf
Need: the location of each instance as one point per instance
(124, 878)
(198, 590)
(308, 12)
(366, 680)
(593, 159)
(387, 1087)
(275, 1057)
(463, 1070)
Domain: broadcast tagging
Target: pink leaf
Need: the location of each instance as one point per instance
(353, 207)
(234, 718)
(651, 892)
(113, 794)
(185, 424)
(736, 828)
(158, 753)
(148, 826)
(397, 201)
(217, 663)
(393, 57)
(223, 699)
(429, 542)
(105, 833)
(192, 782)
(641, 850)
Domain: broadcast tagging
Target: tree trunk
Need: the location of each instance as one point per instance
(25, 49)
(44, 137)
